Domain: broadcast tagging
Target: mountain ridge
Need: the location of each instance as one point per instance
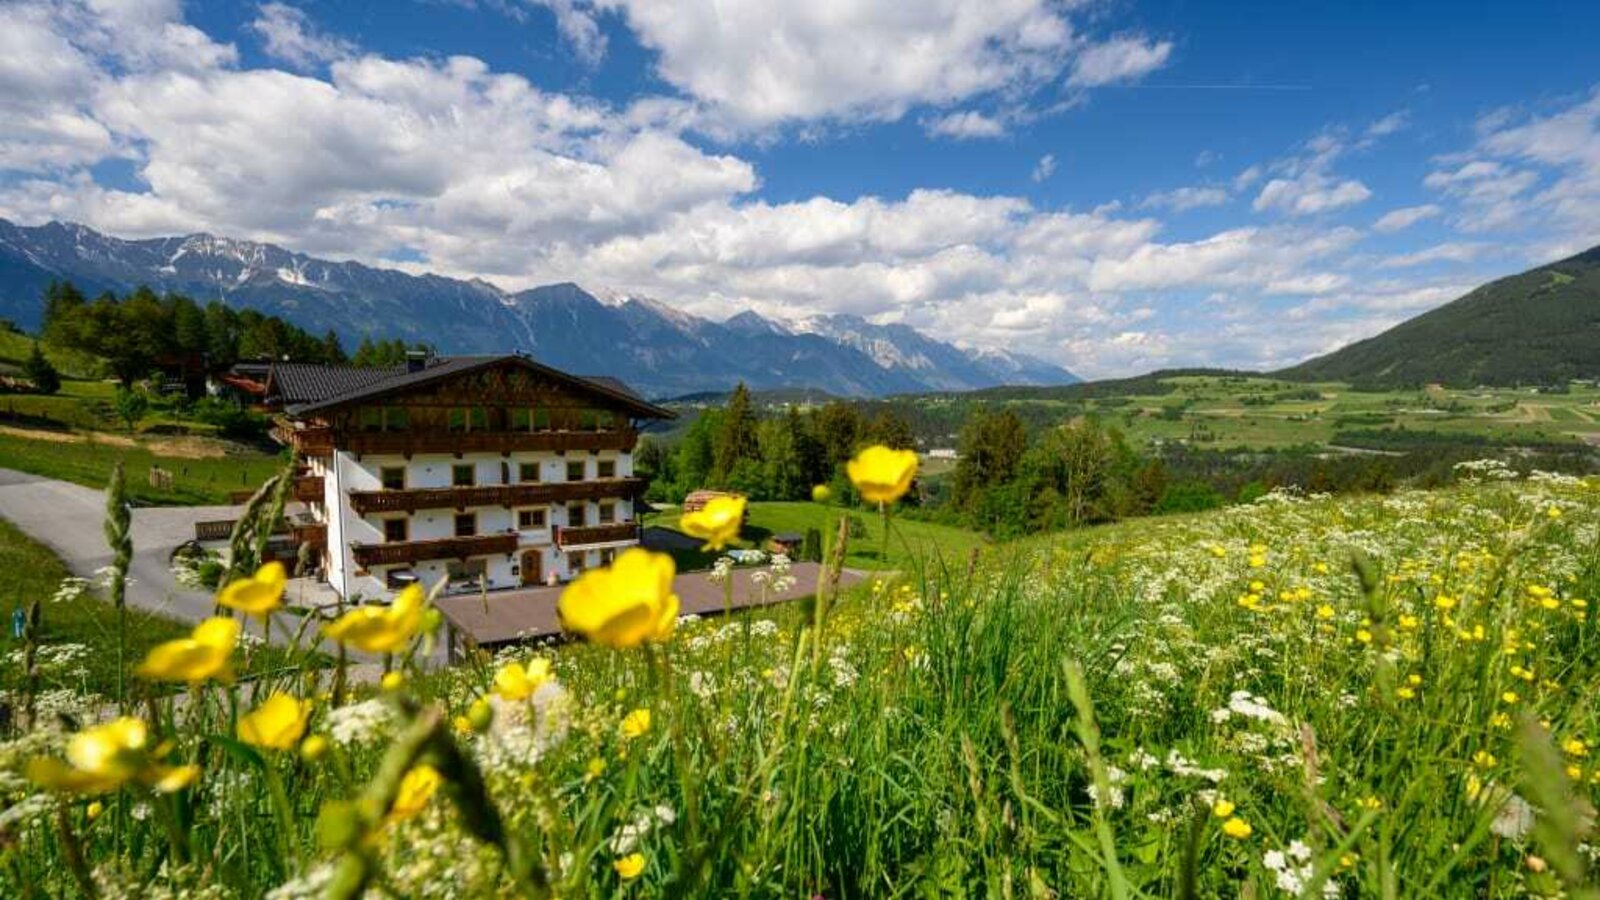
(659, 349)
(1537, 327)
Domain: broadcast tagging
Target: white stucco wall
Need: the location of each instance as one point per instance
(346, 473)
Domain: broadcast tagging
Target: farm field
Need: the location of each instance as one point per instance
(1257, 412)
(1347, 697)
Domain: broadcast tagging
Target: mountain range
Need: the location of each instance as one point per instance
(1539, 327)
(660, 350)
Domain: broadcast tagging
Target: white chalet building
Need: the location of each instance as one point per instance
(490, 471)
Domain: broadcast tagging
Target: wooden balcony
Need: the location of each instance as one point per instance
(307, 440)
(410, 443)
(314, 533)
(568, 538)
(507, 495)
(406, 552)
(308, 489)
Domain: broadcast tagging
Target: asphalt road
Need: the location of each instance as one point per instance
(68, 518)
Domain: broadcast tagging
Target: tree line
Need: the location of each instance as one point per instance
(137, 333)
(771, 457)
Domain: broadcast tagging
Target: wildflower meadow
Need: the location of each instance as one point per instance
(1371, 696)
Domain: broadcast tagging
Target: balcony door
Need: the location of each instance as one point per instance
(532, 568)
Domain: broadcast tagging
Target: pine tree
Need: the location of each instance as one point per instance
(37, 369)
(736, 437)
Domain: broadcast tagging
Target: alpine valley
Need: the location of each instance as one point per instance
(659, 350)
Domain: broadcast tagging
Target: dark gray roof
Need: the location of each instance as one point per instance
(338, 385)
(295, 384)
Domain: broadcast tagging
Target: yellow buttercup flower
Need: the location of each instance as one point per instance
(821, 493)
(258, 595)
(636, 724)
(515, 681)
(717, 523)
(313, 748)
(1237, 828)
(392, 681)
(377, 629)
(105, 757)
(625, 604)
(630, 866)
(276, 724)
(416, 789)
(882, 475)
(1222, 809)
(206, 653)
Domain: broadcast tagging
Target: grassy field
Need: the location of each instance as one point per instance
(15, 349)
(1351, 697)
(1262, 412)
(87, 460)
(908, 540)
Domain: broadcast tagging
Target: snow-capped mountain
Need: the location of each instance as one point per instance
(657, 348)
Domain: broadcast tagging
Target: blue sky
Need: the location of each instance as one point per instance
(1115, 186)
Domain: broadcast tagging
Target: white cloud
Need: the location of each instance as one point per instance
(1453, 252)
(762, 63)
(965, 125)
(1310, 193)
(1405, 217)
(1119, 59)
(1044, 168)
(1185, 198)
(388, 159)
(288, 34)
(1389, 124)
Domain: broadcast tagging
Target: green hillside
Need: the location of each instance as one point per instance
(1539, 327)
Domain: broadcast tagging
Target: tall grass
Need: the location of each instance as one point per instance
(1376, 696)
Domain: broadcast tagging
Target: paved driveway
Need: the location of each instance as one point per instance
(68, 518)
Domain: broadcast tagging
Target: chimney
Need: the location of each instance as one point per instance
(416, 360)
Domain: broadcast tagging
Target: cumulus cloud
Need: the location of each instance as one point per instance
(388, 160)
(287, 34)
(1119, 59)
(762, 63)
(1310, 193)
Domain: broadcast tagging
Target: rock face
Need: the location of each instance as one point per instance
(659, 350)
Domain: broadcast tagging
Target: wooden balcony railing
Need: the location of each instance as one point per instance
(410, 443)
(315, 534)
(402, 552)
(587, 535)
(309, 440)
(507, 495)
(308, 489)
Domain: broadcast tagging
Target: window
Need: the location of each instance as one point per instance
(522, 419)
(458, 420)
(478, 419)
(396, 529)
(574, 563)
(505, 472)
(575, 470)
(577, 515)
(462, 476)
(605, 420)
(396, 418)
(541, 420)
(371, 418)
(588, 420)
(466, 525)
(394, 478)
(528, 472)
(608, 556)
(530, 519)
(608, 513)
(606, 468)
(468, 573)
